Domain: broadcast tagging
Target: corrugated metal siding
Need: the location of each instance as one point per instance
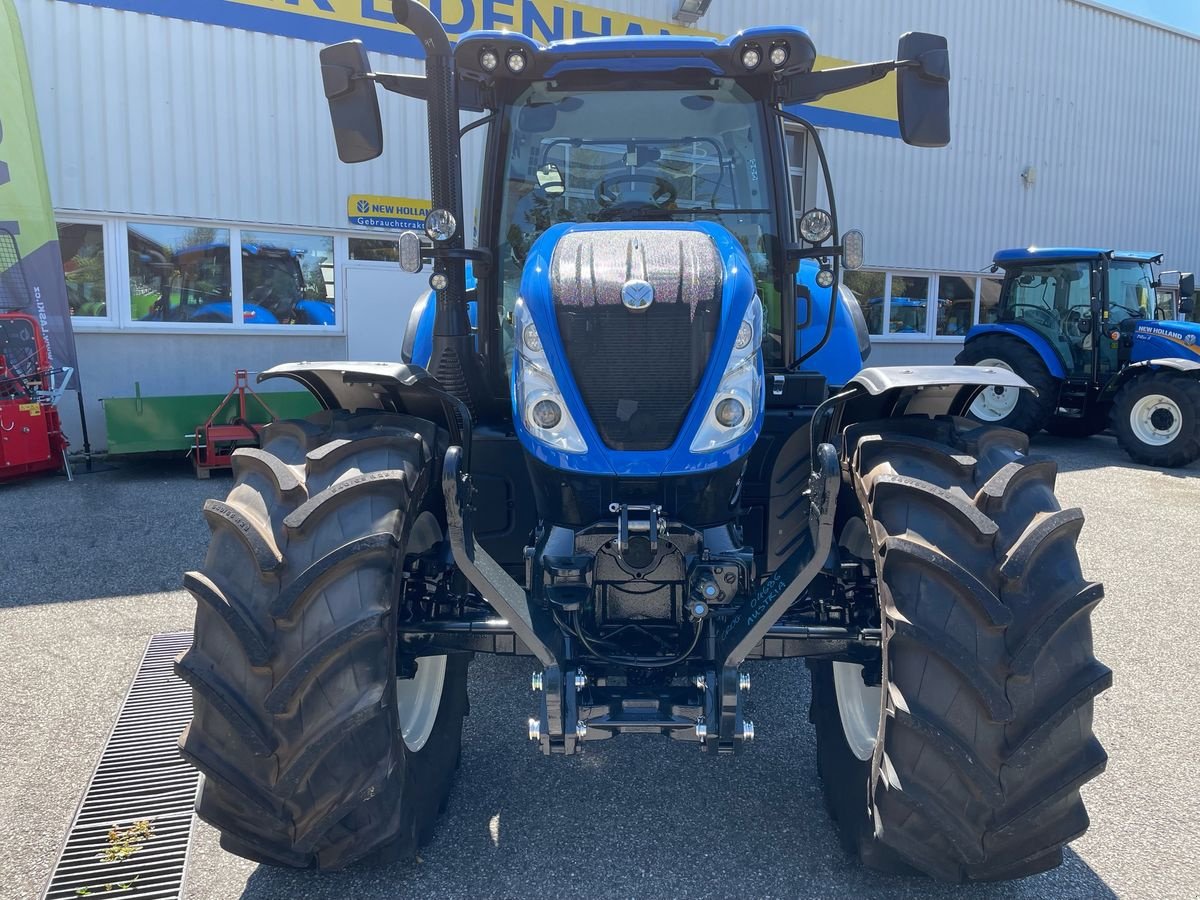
(142, 114)
(155, 116)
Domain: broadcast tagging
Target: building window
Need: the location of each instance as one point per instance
(179, 273)
(82, 247)
(867, 288)
(287, 279)
(374, 250)
(909, 304)
(955, 305)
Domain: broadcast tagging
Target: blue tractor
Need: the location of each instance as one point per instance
(654, 458)
(1103, 344)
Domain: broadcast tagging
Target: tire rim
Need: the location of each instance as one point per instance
(1156, 420)
(418, 700)
(995, 403)
(859, 706)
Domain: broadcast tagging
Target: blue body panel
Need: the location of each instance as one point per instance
(422, 346)
(839, 359)
(1043, 347)
(1166, 340)
(1023, 255)
(737, 293)
(316, 311)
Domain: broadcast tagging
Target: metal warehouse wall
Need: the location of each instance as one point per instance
(154, 116)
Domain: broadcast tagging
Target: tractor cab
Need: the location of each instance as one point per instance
(1082, 325)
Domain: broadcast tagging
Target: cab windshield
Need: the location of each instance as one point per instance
(674, 154)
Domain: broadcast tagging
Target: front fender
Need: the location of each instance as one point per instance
(888, 391)
(1050, 356)
(392, 387)
(1132, 370)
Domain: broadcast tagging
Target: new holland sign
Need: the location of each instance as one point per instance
(374, 211)
(871, 109)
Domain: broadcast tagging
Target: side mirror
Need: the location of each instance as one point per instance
(923, 89)
(353, 104)
(1187, 290)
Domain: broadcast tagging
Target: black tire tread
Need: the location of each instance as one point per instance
(988, 661)
(293, 661)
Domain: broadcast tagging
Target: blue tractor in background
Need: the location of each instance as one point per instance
(1104, 345)
(654, 457)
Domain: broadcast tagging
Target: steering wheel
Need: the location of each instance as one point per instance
(1042, 316)
(662, 195)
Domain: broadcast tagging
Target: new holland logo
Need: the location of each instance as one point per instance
(1189, 339)
(637, 294)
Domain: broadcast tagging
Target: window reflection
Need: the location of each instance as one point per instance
(956, 304)
(867, 288)
(82, 248)
(179, 273)
(910, 301)
(287, 279)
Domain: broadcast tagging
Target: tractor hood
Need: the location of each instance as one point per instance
(1166, 340)
(634, 327)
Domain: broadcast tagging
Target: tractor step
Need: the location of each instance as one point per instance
(134, 824)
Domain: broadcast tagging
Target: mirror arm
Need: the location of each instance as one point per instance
(480, 258)
(414, 86)
(814, 85)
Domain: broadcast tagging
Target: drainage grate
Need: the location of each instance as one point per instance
(140, 776)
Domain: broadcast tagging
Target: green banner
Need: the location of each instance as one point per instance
(31, 271)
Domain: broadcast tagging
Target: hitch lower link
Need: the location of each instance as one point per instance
(709, 710)
(681, 713)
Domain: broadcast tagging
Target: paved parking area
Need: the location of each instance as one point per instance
(88, 571)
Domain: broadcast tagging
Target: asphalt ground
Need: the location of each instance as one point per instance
(89, 570)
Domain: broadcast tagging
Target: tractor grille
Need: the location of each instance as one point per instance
(637, 370)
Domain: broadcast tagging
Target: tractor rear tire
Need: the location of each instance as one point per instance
(315, 751)
(1156, 418)
(985, 694)
(1027, 412)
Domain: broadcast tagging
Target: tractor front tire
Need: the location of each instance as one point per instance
(317, 746)
(1156, 417)
(1008, 407)
(962, 757)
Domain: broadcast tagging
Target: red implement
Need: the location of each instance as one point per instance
(217, 438)
(31, 438)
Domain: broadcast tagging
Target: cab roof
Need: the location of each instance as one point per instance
(1022, 255)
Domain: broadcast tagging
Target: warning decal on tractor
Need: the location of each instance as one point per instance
(34, 409)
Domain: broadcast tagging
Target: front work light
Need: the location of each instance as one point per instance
(488, 60)
(778, 55)
(751, 56)
(815, 226)
(824, 277)
(515, 62)
(441, 225)
(852, 250)
(410, 252)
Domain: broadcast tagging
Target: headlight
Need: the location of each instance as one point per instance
(538, 402)
(738, 400)
(815, 226)
(440, 224)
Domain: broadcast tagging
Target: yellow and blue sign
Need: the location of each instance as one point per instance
(374, 211)
(870, 109)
